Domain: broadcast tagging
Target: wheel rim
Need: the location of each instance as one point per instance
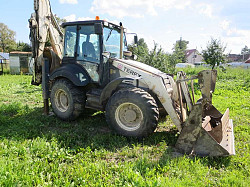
(61, 100)
(128, 116)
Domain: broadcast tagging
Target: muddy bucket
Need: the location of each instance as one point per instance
(207, 132)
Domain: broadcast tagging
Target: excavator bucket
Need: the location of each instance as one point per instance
(209, 136)
(206, 132)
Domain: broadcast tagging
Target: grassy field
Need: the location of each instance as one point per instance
(38, 150)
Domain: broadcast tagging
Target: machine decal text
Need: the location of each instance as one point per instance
(132, 72)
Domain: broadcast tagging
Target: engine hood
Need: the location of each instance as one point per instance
(142, 66)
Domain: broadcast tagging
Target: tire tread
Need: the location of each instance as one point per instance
(150, 105)
(78, 96)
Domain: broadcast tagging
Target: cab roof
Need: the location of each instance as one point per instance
(89, 22)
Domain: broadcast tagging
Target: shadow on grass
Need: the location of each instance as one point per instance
(90, 130)
(18, 122)
(178, 167)
(29, 92)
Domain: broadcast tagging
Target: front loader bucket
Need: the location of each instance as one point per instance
(207, 132)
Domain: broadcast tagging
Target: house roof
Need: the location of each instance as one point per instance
(247, 61)
(189, 52)
(5, 55)
(233, 55)
(21, 52)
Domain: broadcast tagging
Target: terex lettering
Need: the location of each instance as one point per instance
(131, 72)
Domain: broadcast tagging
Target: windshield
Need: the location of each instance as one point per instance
(111, 41)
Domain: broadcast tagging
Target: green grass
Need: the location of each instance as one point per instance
(38, 150)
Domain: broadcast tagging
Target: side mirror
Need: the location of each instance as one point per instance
(135, 39)
(134, 57)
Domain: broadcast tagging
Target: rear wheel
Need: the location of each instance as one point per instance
(67, 100)
(132, 112)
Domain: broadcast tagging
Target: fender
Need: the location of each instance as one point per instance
(74, 72)
(112, 86)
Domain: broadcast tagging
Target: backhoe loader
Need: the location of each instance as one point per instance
(89, 67)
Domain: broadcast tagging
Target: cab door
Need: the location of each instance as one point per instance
(89, 50)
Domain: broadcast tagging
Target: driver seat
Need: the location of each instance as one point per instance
(88, 50)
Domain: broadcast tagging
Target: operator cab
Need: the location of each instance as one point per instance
(86, 41)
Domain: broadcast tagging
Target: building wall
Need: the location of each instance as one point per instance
(238, 57)
(194, 57)
(5, 62)
(14, 64)
(21, 63)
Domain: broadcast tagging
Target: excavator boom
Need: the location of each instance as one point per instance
(43, 28)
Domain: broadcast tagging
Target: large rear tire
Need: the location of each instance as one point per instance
(67, 100)
(132, 112)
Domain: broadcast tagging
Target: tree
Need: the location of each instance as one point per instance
(179, 51)
(214, 54)
(245, 51)
(141, 50)
(21, 46)
(155, 57)
(159, 59)
(7, 38)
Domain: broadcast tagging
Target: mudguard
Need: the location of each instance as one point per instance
(74, 72)
(112, 86)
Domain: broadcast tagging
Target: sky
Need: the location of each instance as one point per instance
(157, 21)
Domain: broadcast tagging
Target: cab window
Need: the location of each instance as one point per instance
(89, 45)
(70, 41)
(111, 41)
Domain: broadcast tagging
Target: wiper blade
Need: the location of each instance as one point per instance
(109, 34)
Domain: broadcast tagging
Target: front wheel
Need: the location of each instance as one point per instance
(132, 112)
(67, 100)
